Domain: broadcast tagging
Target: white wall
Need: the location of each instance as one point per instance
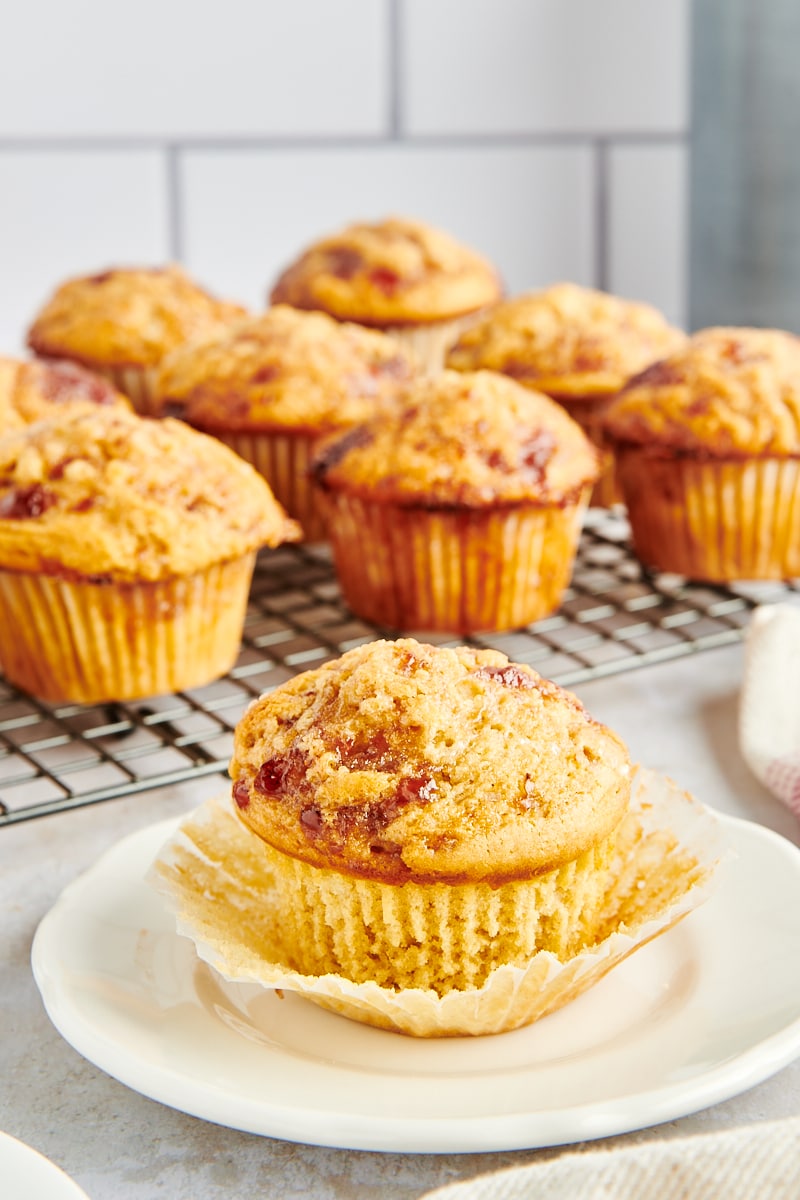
(551, 134)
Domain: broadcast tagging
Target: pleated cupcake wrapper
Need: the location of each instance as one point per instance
(429, 343)
(86, 642)
(134, 382)
(417, 935)
(455, 570)
(589, 412)
(216, 881)
(283, 459)
(711, 520)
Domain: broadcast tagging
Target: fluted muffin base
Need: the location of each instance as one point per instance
(714, 520)
(284, 459)
(455, 570)
(90, 642)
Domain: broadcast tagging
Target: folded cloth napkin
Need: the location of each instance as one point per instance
(758, 1162)
(769, 712)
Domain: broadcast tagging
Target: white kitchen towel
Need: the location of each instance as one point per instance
(758, 1162)
(769, 712)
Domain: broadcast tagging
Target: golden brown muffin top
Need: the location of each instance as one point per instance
(393, 272)
(109, 496)
(728, 393)
(404, 761)
(33, 391)
(461, 440)
(567, 341)
(285, 369)
(128, 317)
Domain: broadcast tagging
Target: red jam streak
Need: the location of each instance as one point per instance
(385, 280)
(24, 502)
(241, 793)
(510, 676)
(344, 262)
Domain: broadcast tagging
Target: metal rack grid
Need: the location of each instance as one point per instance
(615, 616)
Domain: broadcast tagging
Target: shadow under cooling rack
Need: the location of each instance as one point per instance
(615, 616)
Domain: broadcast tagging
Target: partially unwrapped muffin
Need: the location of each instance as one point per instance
(432, 840)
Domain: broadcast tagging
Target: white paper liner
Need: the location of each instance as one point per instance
(210, 873)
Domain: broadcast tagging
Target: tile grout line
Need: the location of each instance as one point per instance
(174, 203)
(465, 141)
(601, 230)
(394, 51)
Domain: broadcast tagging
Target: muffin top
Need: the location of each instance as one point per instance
(403, 761)
(285, 369)
(462, 440)
(128, 317)
(567, 341)
(728, 393)
(111, 497)
(393, 272)
(33, 391)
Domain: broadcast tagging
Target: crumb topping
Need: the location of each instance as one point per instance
(33, 391)
(286, 369)
(128, 317)
(567, 341)
(730, 392)
(392, 272)
(401, 760)
(462, 440)
(108, 496)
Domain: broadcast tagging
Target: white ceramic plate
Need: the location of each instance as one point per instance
(696, 1016)
(25, 1174)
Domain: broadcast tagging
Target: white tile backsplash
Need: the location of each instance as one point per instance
(247, 214)
(194, 68)
(67, 212)
(648, 226)
(551, 134)
(544, 66)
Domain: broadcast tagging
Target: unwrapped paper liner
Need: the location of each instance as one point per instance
(215, 879)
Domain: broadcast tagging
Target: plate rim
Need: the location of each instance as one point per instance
(479, 1133)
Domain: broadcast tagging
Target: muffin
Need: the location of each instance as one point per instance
(122, 322)
(458, 508)
(401, 276)
(126, 551)
(577, 345)
(34, 391)
(708, 450)
(274, 385)
(429, 814)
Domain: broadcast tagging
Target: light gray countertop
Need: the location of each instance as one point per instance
(678, 717)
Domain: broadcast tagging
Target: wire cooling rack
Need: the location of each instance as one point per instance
(615, 616)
